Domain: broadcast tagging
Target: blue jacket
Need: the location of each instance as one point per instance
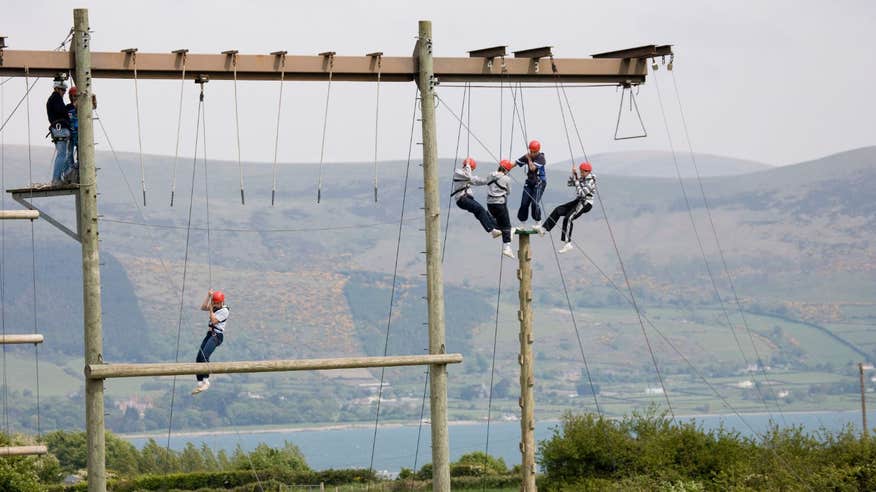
(539, 162)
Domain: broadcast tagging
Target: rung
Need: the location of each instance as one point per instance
(22, 450)
(105, 371)
(16, 339)
(19, 214)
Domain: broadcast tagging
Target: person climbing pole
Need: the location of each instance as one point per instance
(585, 187)
(498, 188)
(215, 305)
(463, 180)
(536, 182)
(59, 129)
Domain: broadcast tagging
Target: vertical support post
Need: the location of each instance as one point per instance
(527, 378)
(863, 402)
(87, 220)
(435, 283)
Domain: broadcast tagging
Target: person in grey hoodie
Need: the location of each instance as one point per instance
(463, 180)
(498, 188)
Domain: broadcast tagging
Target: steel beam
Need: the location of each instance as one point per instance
(488, 52)
(106, 371)
(646, 51)
(20, 339)
(526, 68)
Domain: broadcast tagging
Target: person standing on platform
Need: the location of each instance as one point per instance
(215, 305)
(72, 174)
(536, 182)
(59, 129)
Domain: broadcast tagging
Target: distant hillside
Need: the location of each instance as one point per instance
(660, 164)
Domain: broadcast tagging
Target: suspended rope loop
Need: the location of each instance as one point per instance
(330, 59)
(394, 282)
(633, 105)
(282, 61)
(182, 83)
(132, 52)
(379, 61)
(233, 55)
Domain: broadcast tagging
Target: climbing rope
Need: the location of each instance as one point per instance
(394, 282)
(133, 53)
(3, 260)
(379, 62)
(275, 169)
(236, 130)
(36, 349)
(452, 169)
(182, 83)
(493, 370)
(328, 94)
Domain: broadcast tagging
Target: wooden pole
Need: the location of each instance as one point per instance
(87, 220)
(435, 284)
(864, 429)
(107, 371)
(22, 450)
(19, 214)
(527, 379)
(18, 339)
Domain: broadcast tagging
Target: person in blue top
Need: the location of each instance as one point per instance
(536, 181)
(215, 305)
(59, 128)
(72, 174)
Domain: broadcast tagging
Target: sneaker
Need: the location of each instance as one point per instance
(506, 251)
(566, 248)
(202, 385)
(539, 229)
(495, 233)
(513, 231)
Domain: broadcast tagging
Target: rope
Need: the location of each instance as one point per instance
(139, 132)
(700, 243)
(376, 123)
(33, 248)
(718, 242)
(328, 95)
(207, 190)
(420, 427)
(277, 134)
(237, 131)
(3, 260)
(452, 168)
(260, 231)
(493, 371)
(394, 280)
(20, 101)
(178, 127)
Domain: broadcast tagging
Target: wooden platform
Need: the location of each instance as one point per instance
(39, 191)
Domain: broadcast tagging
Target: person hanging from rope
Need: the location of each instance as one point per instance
(463, 180)
(536, 182)
(498, 188)
(585, 187)
(59, 129)
(214, 303)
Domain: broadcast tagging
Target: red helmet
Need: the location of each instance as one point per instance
(506, 165)
(73, 91)
(534, 146)
(470, 163)
(585, 167)
(218, 296)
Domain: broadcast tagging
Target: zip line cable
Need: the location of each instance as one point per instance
(259, 231)
(182, 84)
(275, 168)
(718, 242)
(328, 95)
(394, 280)
(702, 248)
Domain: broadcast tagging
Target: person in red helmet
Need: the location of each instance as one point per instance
(215, 305)
(536, 182)
(585, 186)
(498, 188)
(463, 180)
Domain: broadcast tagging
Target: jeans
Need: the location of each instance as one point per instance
(499, 211)
(470, 204)
(61, 137)
(72, 160)
(532, 192)
(569, 211)
(208, 345)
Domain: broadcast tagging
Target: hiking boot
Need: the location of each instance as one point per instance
(506, 251)
(566, 248)
(495, 233)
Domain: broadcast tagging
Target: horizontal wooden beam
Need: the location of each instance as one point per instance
(19, 214)
(344, 68)
(106, 371)
(18, 339)
(22, 450)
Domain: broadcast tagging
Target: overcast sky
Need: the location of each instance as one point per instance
(777, 82)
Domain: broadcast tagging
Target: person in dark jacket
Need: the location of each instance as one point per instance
(536, 182)
(585, 186)
(59, 128)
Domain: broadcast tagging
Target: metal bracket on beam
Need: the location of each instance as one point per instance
(328, 60)
(647, 51)
(2, 47)
(535, 53)
(376, 59)
(24, 194)
(489, 54)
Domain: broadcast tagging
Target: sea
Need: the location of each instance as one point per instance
(400, 446)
